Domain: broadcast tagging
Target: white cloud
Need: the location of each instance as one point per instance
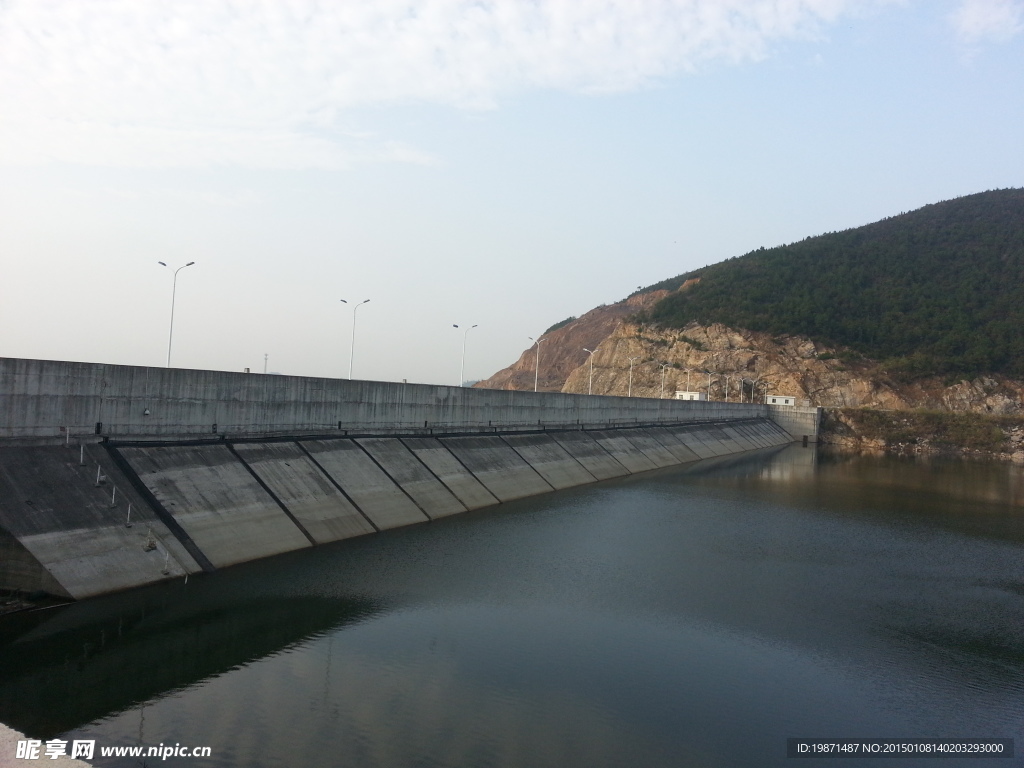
(976, 22)
(207, 82)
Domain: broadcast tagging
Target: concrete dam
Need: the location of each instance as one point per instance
(117, 476)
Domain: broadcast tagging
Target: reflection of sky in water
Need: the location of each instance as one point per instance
(471, 685)
(688, 617)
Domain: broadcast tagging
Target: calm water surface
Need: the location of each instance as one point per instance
(696, 616)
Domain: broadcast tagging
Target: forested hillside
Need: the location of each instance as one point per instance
(939, 290)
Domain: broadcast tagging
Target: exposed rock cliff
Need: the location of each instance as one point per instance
(563, 350)
(664, 361)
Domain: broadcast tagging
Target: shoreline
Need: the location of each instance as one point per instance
(925, 432)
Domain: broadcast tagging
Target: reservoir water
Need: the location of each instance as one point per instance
(696, 616)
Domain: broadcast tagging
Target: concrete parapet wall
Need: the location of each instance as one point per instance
(52, 399)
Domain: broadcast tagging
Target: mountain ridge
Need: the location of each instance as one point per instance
(671, 326)
(932, 291)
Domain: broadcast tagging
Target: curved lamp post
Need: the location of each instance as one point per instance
(462, 368)
(590, 387)
(665, 367)
(727, 377)
(352, 346)
(629, 392)
(709, 385)
(536, 366)
(174, 291)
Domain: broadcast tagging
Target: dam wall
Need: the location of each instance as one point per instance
(56, 399)
(66, 528)
(113, 477)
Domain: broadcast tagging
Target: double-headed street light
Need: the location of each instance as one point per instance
(352, 346)
(590, 388)
(174, 291)
(629, 392)
(536, 365)
(462, 369)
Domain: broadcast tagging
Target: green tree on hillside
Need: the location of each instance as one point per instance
(937, 290)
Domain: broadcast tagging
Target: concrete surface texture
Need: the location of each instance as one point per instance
(218, 503)
(623, 451)
(551, 461)
(412, 475)
(752, 439)
(651, 447)
(682, 454)
(689, 437)
(64, 513)
(450, 471)
(715, 439)
(590, 454)
(301, 486)
(43, 398)
(499, 468)
(372, 490)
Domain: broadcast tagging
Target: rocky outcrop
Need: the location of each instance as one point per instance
(924, 432)
(563, 350)
(730, 363)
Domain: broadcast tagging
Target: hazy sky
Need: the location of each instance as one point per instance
(498, 163)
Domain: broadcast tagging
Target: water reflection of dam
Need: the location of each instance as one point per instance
(63, 667)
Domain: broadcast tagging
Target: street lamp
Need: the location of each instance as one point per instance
(174, 291)
(536, 366)
(687, 379)
(590, 388)
(727, 387)
(751, 383)
(462, 369)
(709, 385)
(352, 346)
(629, 392)
(664, 367)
